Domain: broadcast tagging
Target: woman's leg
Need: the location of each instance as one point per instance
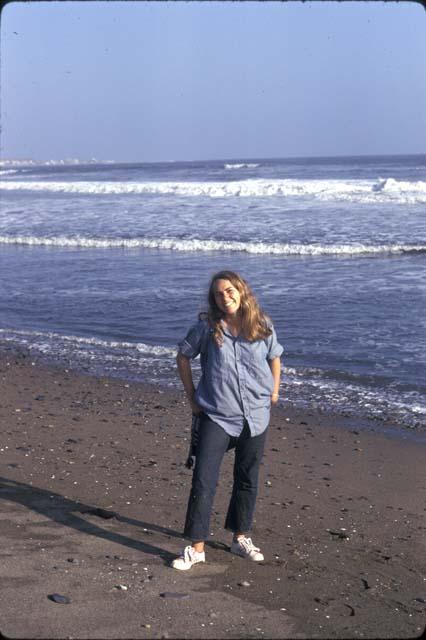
(212, 445)
(248, 455)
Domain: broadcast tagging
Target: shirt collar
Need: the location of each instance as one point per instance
(228, 333)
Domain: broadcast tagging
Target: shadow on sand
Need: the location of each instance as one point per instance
(69, 513)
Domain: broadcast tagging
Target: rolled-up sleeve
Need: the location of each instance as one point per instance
(274, 348)
(190, 346)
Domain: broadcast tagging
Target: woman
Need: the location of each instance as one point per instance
(240, 362)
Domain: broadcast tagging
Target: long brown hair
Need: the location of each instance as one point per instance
(255, 324)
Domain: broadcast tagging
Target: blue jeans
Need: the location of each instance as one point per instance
(213, 442)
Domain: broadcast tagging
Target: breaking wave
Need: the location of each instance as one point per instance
(140, 347)
(177, 244)
(390, 185)
(386, 190)
(241, 165)
(52, 163)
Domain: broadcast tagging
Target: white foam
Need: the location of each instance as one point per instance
(178, 244)
(242, 165)
(52, 163)
(364, 191)
(391, 185)
(141, 347)
(313, 387)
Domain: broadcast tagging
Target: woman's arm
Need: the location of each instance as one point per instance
(185, 373)
(275, 366)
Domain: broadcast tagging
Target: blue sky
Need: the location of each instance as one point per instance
(141, 81)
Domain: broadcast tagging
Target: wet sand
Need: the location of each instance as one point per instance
(93, 492)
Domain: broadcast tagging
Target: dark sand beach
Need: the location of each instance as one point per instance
(93, 494)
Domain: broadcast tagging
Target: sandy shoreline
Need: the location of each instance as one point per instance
(340, 518)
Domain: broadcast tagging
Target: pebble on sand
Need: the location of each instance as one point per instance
(56, 597)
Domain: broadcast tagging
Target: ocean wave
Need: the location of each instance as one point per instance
(241, 165)
(178, 244)
(363, 191)
(6, 172)
(52, 163)
(140, 347)
(390, 185)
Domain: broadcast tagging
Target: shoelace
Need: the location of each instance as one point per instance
(248, 544)
(187, 554)
(190, 554)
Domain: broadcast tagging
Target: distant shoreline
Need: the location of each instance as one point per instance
(17, 162)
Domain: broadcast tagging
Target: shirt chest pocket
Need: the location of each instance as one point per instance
(220, 362)
(254, 356)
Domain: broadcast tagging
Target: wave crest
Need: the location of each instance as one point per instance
(363, 191)
(141, 347)
(390, 185)
(52, 163)
(178, 244)
(241, 165)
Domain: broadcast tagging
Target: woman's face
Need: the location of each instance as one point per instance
(227, 297)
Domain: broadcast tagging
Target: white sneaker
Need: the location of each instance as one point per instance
(188, 558)
(244, 547)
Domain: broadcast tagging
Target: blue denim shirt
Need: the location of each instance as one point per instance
(236, 381)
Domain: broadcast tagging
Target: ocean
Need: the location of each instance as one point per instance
(104, 267)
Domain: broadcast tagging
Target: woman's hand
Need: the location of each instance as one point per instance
(275, 366)
(184, 368)
(196, 409)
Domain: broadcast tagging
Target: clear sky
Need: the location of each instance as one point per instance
(141, 81)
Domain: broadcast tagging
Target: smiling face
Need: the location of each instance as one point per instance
(227, 297)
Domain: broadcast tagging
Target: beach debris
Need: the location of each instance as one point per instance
(174, 594)
(321, 601)
(422, 600)
(73, 560)
(365, 583)
(268, 483)
(121, 587)
(352, 610)
(97, 511)
(56, 597)
(340, 535)
(244, 583)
